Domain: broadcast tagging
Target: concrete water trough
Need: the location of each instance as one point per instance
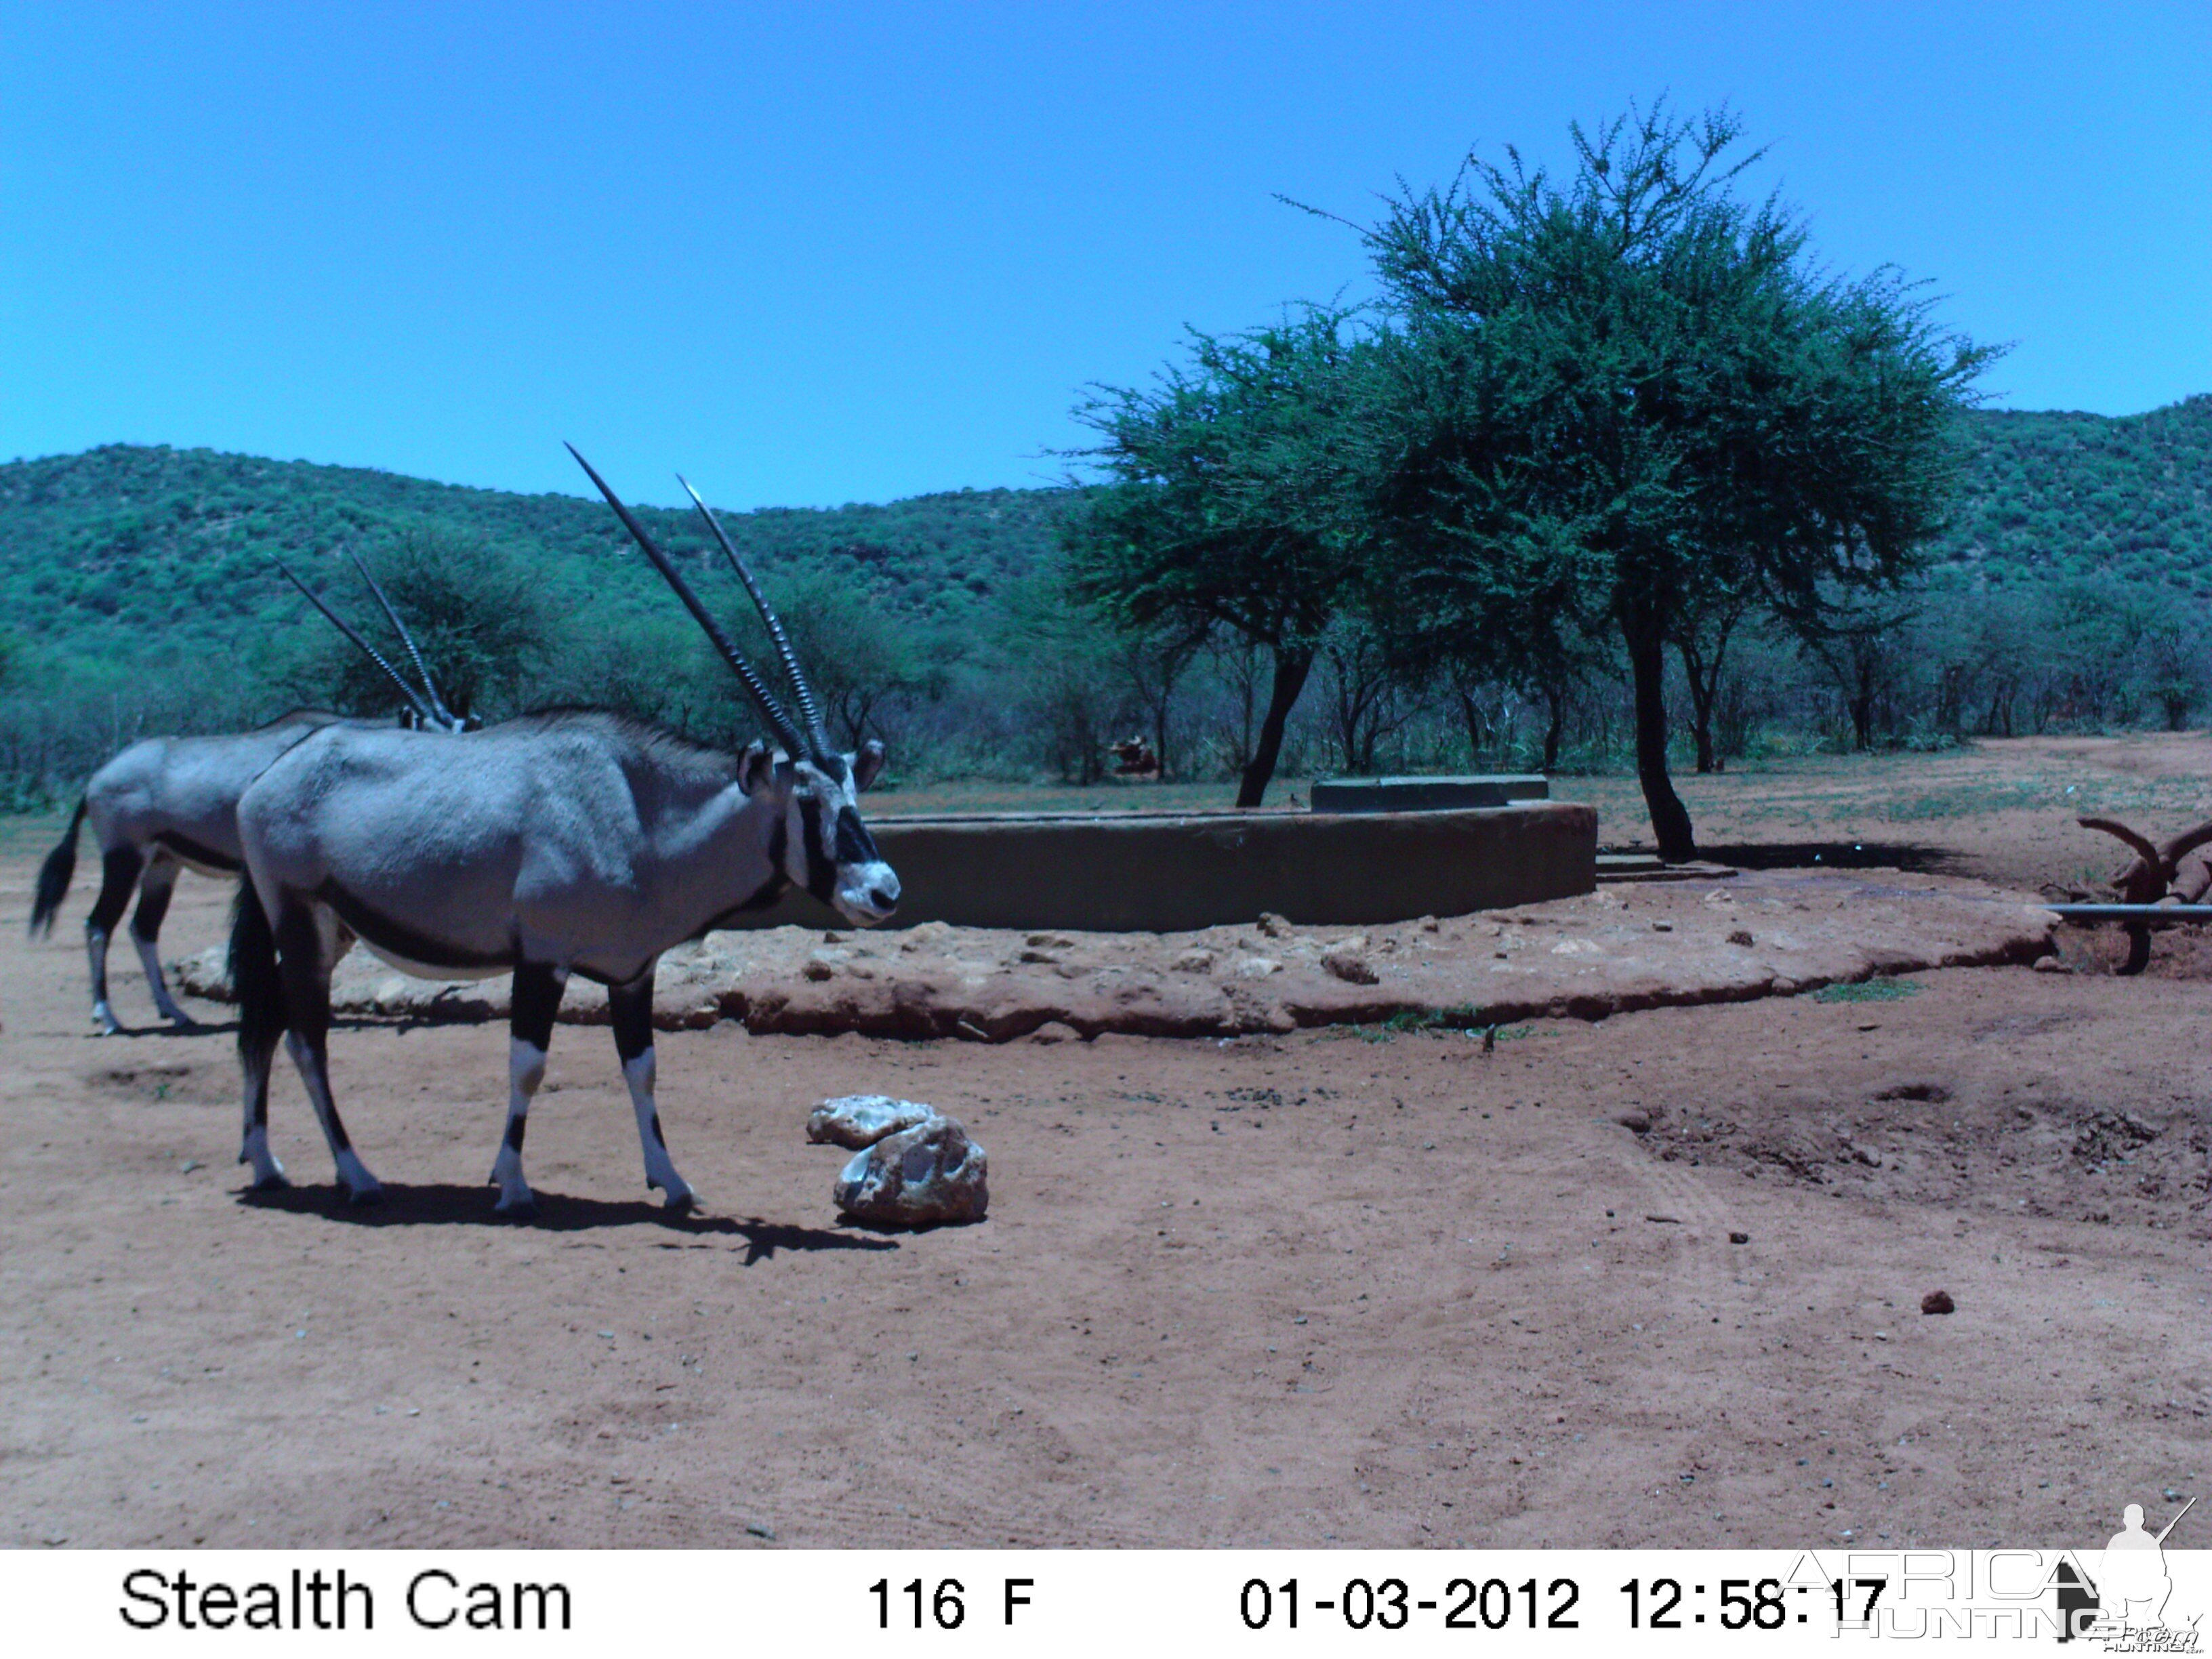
(1174, 873)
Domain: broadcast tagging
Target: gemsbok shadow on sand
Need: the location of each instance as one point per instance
(447, 1204)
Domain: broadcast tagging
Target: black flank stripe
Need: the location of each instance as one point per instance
(402, 940)
(190, 850)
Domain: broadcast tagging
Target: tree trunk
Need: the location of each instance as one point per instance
(1292, 668)
(1557, 701)
(1702, 686)
(1670, 820)
(1478, 728)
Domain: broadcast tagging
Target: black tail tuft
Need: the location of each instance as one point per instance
(54, 876)
(254, 980)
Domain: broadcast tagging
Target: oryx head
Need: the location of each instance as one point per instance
(825, 848)
(823, 844)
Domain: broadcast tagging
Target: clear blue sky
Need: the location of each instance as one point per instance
(814, 253)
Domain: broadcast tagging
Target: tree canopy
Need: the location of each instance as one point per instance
(1630, 398)
(1234, 501)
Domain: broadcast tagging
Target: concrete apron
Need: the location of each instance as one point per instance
(1158, 872)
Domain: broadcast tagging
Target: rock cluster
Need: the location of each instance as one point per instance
(914, 1166)
(1578, 958)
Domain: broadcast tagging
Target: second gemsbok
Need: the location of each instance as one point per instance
(569, 842)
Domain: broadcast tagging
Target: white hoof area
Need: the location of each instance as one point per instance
(681, 1200)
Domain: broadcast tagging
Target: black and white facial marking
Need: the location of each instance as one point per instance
(827, 848)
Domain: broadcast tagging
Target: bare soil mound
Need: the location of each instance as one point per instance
(1623, 947)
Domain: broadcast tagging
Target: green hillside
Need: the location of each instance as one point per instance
(124, 551)
(140, 596)
(2053, 496)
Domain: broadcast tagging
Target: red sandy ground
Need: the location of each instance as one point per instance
(1302, 1289)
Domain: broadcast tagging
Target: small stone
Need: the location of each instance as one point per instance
(1739, 1238)
(1346, 960)
(756, 1530)
(1194, 961)
(1938, 1302)
(1274, 926)
(1429, 925)
(1040, 958)
(1049, 941)
(1053, 1032)
(2051, 965)
(1662, 926)
(922, 1176)
(1256, 967)
(1636, 1119)
(1739, 936)
(861, 1120)
(817, 967)
(193, 1163)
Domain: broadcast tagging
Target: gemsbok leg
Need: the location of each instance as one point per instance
(536, 1000)
(118, 875)
(629, 1009)
(260, 991)
(309, 944)
(154, 888)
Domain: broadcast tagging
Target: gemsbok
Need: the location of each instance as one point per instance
(572, 842)
(166, 804)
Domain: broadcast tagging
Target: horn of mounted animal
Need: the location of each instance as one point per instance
(406, 639)
(2187, 842)
(421, 711)
(2141, 843)
(772, 710)
(807, 709)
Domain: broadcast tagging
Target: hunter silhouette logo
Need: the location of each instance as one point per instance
(2121, 1607)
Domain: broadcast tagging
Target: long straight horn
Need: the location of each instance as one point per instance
(804, 692)
(339, 623)
(773, 710)
(407, 640)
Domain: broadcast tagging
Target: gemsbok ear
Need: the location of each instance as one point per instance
(868, 764)
(755, 768)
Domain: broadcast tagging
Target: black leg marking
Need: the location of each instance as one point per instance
(656, 1135)
(261, 1023)
(515, 1126)
(305, 971)
(119, 877)
(630, 1010)
(161, 882)
(536, 1000)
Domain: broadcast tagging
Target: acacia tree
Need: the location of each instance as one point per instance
(474, 610)
(1628, 392)
(1231, 502)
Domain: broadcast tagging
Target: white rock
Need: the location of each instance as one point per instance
(922, 1176)
(861, 1120)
